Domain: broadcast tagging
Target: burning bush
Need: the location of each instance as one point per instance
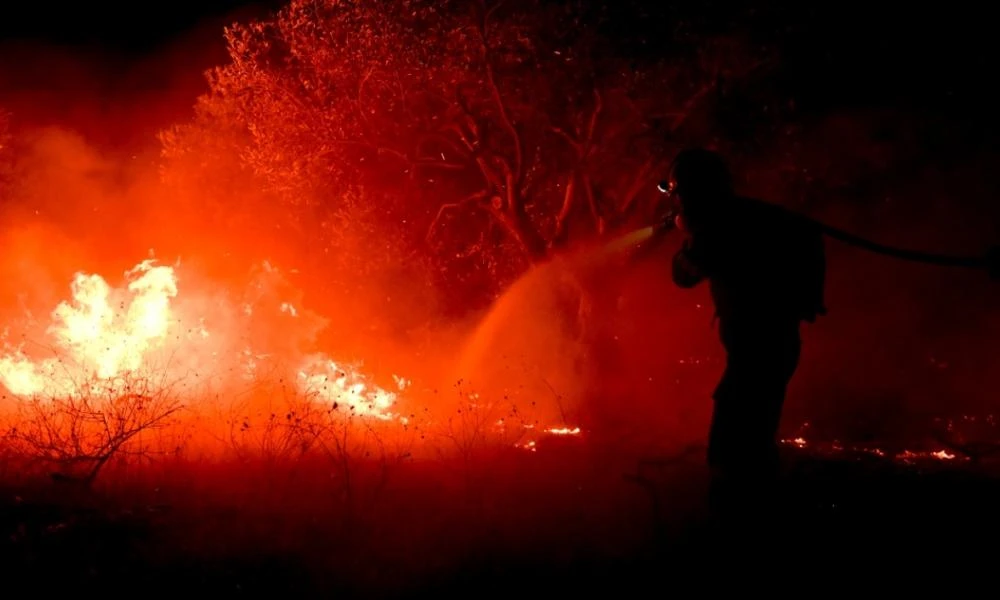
(235, 375)
(123, 359)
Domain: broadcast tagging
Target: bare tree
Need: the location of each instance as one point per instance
(477, 125)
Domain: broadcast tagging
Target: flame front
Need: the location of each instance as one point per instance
(104, 333)
(152, 334)
(100, 334)
(348, 390)
(107, 342)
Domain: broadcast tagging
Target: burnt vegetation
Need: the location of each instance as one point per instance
(442, 149)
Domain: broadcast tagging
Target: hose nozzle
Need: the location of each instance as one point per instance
(667, 223)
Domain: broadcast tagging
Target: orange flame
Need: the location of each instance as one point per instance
(103, 333)
(343, 387)
(93, 340)
(103, 339)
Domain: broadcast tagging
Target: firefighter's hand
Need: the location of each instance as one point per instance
(679, 222)
(685, 272)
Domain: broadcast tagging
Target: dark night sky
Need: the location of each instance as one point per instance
(840, 53)
(862, 35)
(115, 72)
(125, 27)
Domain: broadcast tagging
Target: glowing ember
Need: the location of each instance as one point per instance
(939, 455)
(529, 446)
(563, 431)
(905, 455)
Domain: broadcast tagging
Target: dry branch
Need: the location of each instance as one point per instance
(78, 434)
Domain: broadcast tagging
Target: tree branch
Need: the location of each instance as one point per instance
(512, 200)
(594, 116)
(595, 211)
(491, 177)
(638, 182)
(471, 198)
(558, 236)
(494, 89)
(581, 149)
(460, 146)
(508, 125)
(488, 14)
(569, 137)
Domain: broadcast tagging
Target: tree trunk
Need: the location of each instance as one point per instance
(519, 226)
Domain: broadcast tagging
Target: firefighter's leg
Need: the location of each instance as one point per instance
(743, 451)
(728, 439)
(784, 360)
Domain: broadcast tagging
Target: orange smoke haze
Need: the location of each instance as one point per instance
(112, 273)
(112, 280)
(114, 288)
(115, 276)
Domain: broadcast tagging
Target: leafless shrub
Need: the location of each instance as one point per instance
(75, 435)
(274, 423)
(480, 428)
(282, 424)
(361, 459)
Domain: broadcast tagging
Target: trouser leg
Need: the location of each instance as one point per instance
(743, 450)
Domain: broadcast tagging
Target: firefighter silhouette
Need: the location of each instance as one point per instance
(765, 268)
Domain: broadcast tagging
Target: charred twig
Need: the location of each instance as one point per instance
(558, 399)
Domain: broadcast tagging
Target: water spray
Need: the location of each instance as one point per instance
(636, 238)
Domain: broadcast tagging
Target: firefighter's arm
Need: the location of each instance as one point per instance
(816, 272)
(687, 272)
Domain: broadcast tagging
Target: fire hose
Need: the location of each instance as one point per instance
(990, 261)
